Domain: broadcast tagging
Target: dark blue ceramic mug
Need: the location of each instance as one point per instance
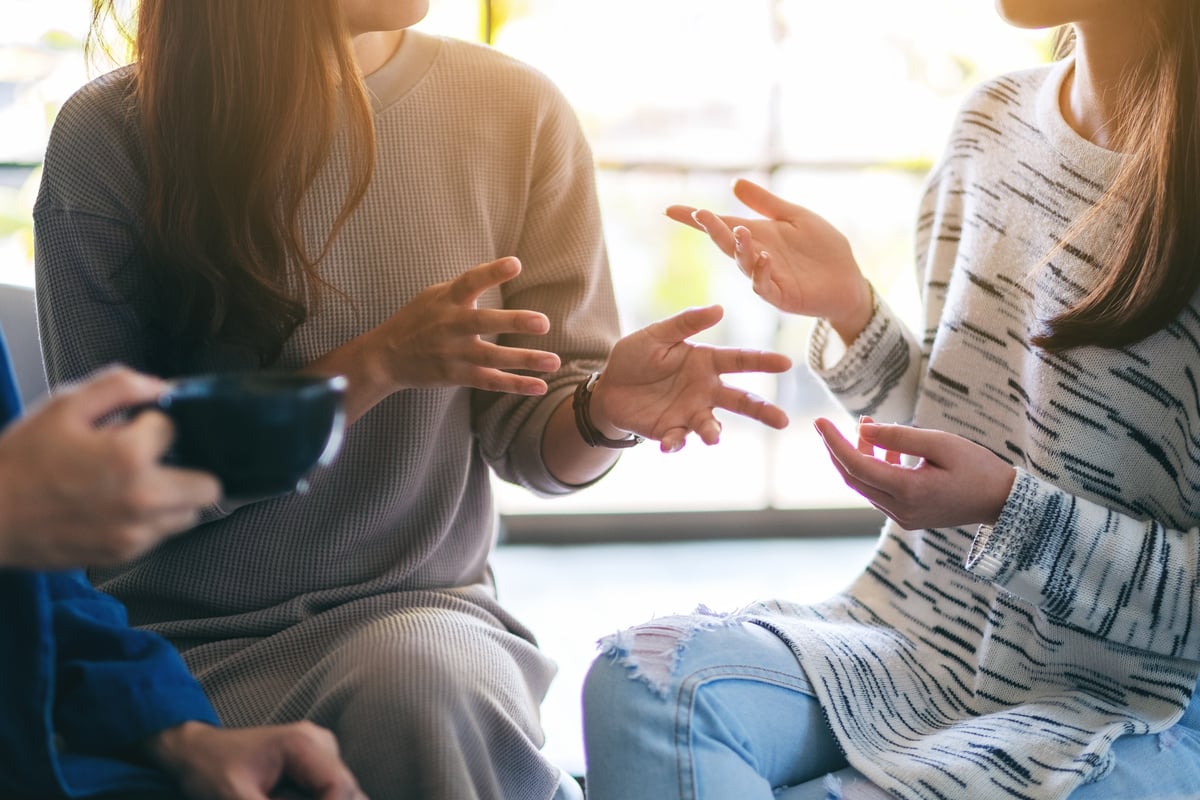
(259, 433)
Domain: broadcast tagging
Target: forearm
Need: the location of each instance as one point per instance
(568, 457)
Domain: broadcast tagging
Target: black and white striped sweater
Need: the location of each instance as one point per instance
(1003, 662)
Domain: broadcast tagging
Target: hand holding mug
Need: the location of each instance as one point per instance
(73, 493)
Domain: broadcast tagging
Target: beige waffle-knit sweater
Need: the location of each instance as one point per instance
(366, 604)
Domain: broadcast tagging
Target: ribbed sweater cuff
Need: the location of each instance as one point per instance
(993, 554)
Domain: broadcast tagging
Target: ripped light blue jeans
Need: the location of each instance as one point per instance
(705, 707)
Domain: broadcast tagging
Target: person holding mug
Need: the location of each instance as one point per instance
(92, 707)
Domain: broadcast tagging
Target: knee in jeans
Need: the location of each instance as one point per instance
(651, 652)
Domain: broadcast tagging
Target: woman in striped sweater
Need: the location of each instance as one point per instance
(1025, 626)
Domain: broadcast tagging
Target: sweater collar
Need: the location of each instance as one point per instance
(403, 71)
(1098, 163)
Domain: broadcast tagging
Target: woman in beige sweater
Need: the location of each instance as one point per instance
(305, 186)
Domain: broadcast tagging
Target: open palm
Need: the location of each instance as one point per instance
(663, 387)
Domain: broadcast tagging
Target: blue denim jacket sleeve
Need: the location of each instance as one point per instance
(115, 684)
(77, 685)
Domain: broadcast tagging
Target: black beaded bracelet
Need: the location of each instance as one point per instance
(583, 420)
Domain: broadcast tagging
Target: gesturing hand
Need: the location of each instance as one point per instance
(254, 763)
(73, 494)
(955, 482)
(662, 387)
(796, 260)
(437, 339)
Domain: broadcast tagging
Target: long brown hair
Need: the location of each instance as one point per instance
(239, 104)
(1153, 262)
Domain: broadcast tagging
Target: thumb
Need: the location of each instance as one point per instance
(688, 322)
(758, 199)
(109, 390)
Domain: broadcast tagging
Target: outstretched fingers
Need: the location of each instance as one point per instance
(684, 324)
(765, 202)
(718, 230)
(747, 404)
(682, 213)
(737, 359)
(467, 287)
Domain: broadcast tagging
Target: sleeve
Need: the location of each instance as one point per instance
(115, 685)
(566, 276)
(88, 265)
(1131, 581)
(85, 243)
(879, 374)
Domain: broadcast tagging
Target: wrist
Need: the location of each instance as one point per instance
(595, 426)
(854, 321)
(598, 411)
(168, 748)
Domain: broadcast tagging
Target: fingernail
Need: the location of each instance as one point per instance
(537, 324)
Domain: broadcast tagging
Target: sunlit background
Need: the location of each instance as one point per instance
(838, 106)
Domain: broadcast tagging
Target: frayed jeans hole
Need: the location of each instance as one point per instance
(1168, 738)
(651, 651)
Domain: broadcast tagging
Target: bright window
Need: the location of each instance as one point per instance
(839, 106)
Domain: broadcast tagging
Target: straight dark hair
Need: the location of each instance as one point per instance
(1153, 262)
(239, 104)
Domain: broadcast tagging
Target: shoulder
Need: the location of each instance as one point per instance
(491, 66)
(103, 102)
(495, 81)
(997, 119)
(997, 105)
(92, 160)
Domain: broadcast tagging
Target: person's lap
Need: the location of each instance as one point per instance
(729, 718)
(432, 697)
(734, 716)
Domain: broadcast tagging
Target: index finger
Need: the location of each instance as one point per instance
(467, 287)
(905, 439)
(869, 470)
(682, 213)
(107, 391)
